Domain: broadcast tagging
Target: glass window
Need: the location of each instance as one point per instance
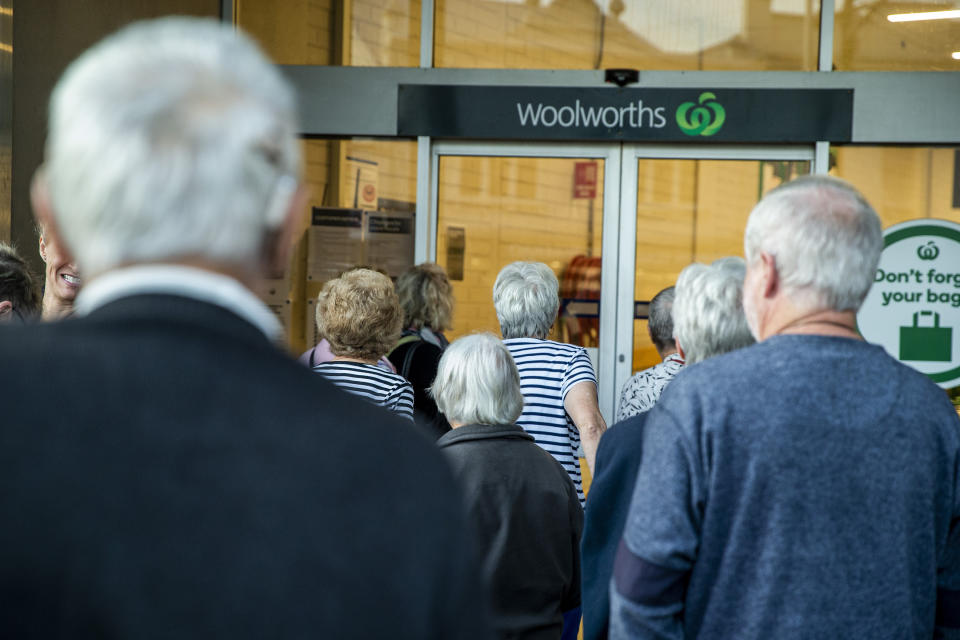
(599, 34)
(692, 211)
(866, 39)
(496, 210)
(379, 33)
(361, 213)
(903, 183)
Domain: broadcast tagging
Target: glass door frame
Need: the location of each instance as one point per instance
(613, 357)
(610, 154)
(627, 251)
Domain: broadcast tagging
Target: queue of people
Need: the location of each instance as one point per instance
(775, 477)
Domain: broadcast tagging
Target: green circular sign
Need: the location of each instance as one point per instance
(913, 308)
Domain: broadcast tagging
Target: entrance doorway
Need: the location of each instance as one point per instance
(616, 222)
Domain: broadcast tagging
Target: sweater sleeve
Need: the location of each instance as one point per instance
(948, 575)
(661, 536)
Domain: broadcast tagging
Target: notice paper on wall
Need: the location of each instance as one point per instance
(334, 242)
(341, 239)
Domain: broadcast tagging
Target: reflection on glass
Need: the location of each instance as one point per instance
(377, 33)
(902, 183)
(692, 211)
(865, 39)
(493, 211)
(599, 34)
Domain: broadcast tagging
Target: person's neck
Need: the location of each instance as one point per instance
(666, 353)
(246, 277)
(54, 308)
(842, 324)
(357, 360)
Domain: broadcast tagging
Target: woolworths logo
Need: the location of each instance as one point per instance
(634, 115)
(703, 119)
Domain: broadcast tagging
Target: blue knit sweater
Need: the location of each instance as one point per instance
(804, 487)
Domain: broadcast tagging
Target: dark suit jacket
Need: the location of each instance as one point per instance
(528, 521)
(166, 472)
(611, 490)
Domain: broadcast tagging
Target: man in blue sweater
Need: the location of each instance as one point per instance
(807, 486)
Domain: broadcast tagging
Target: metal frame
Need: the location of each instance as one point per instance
(821, 162)
(911, 107)
(611, 155)
(627, 250)
(227, 11)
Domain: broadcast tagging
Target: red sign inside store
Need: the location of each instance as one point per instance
(585, 180)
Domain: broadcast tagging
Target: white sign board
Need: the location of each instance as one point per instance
(913, 308)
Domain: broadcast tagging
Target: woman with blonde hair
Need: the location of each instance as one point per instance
(426, 298)
(359, 314)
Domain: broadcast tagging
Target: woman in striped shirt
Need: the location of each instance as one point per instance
(359, 315)
(560, 408)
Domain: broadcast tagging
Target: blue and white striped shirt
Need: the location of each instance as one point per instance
(372, 383)
(548, 370)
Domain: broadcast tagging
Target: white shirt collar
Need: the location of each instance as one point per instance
(189, 282)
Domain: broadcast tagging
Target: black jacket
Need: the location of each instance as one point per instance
(611, 491)
(417, 361)
(166, 472)
(528, 521)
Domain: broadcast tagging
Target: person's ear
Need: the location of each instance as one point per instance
(6, 311)
(770, 279)
(43, 211)
(294, 224)
(683, 356)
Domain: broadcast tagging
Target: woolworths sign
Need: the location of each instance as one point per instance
(625, 114)
(913, 309)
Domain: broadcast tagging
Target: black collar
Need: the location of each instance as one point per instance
(482, 432)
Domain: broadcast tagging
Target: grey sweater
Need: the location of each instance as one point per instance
(804, 487)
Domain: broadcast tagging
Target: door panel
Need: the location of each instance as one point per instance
(677, 210)
(557, 204)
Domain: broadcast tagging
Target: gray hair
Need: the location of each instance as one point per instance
(708, 313)
(825, 238)
(477, 382)
(660, 323)
(171, 138)
(526, 297)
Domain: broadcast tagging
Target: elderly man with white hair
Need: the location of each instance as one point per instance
(806, 486)
(520, 500)
(167, 470)
(707, 321)
(559, 385)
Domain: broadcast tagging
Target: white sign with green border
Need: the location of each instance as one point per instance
(913, 308)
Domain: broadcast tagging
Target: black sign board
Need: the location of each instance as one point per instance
(701, 115)
(333, 217)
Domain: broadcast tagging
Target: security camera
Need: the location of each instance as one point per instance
(622, 77)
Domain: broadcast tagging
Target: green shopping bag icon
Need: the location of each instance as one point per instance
(926, 343)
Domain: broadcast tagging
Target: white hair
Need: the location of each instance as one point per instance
(526, 297)
(708, 316)
(477, 382)
(825, 239)
(171, 138)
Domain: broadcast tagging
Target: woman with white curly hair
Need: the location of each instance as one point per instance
(558, 382)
